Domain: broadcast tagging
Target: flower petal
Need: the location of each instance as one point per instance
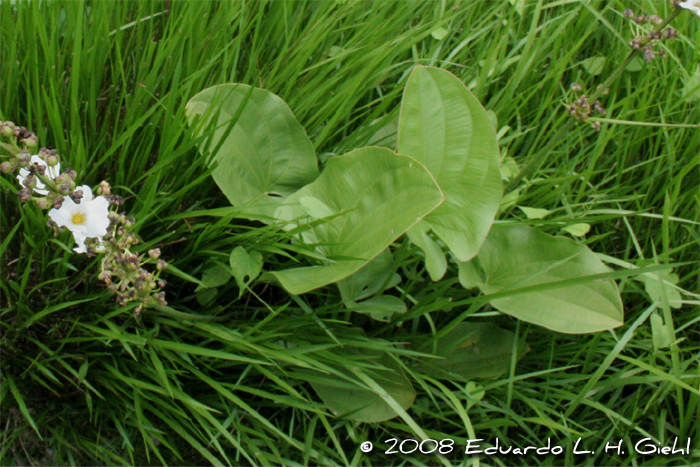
(692, 5)
(87, 193)
(60, 216)
(97, 213)
(79, 242)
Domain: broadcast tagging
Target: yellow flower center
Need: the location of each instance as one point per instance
(78, 218)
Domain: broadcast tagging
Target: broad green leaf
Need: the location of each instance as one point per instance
(517, 256)
(373, 196)
(470, 275)
(245, 266)
(509, 169)
(349, 398)
(265, 156)
(578, 230)
(435, 261)
(659, 286)
(439, 33)
(471, 350)
(381, 307)
(594, 65)
(374, 277)
(205, 296)
(214, 276)
(445, 127)
(535, 213)
(476, 392)
(635, 64)
(659, 333)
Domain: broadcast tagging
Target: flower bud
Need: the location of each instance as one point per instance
(575, 87)
(53, 160)
(7, 129)
(42, 203)
(129, 222)
(6, 167)
(161, 265)
(154, 253)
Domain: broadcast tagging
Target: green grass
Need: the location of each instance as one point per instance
(81, 382)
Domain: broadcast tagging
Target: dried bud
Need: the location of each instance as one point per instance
(115, 200)
(29, 181)
(628, 13)
(24, 159)
(58, 202)
(162, 283)
(154, 253)
(71, 173)
(104, 189)
(649, 54)
(596, 126)
(64, 188)
(669, 33)
(24, 195)
(30, 142)
(76, 196)
(575, 87)
(655, 19)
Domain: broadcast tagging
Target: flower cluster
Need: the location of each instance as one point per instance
(123, 270)
(95, 229)
(581, 108)
(649, 41)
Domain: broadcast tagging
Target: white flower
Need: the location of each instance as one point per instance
(86, 220)
(692, 5)
(51, 172)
